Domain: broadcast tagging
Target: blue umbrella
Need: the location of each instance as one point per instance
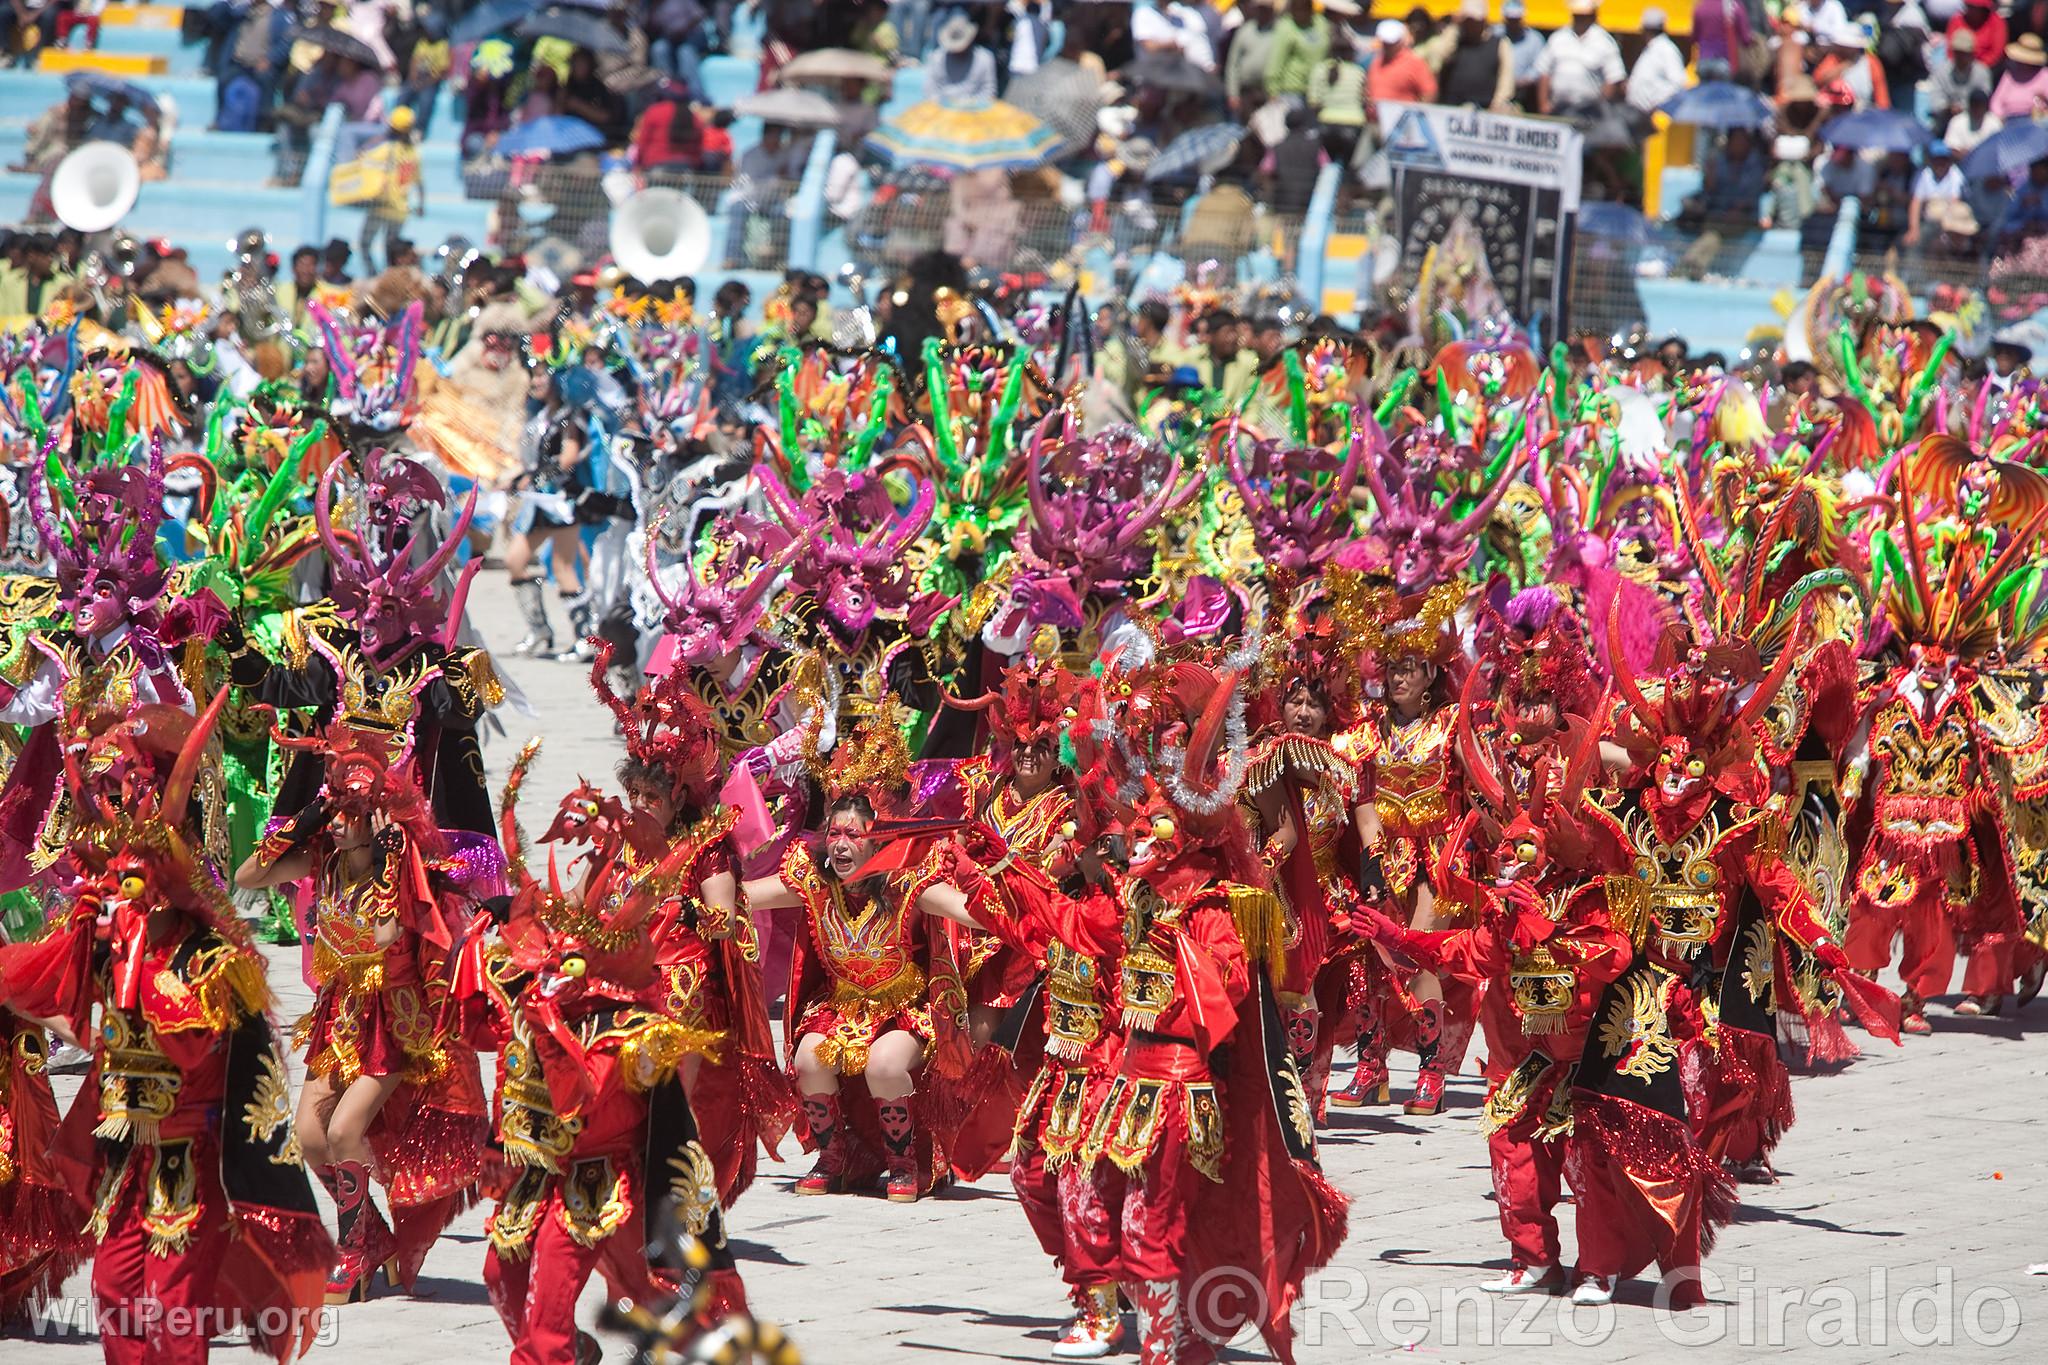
(1876, 130)
(492, 16)
(111, 87)
(555, 135)
(2013, 147)
(1204, 150)
(1719, 104)
(1614, 222)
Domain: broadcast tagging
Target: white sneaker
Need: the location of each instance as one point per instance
(1087, 1339)
(1525, 1279)
(1594, 1290)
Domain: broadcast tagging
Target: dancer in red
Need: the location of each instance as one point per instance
(594, 1119)
(876, 1000)
(388, 1093)
(1410, 801)
(181, 1140)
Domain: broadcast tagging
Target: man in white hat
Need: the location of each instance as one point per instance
(1581, 66)
(1659, 73)
(1399, 73)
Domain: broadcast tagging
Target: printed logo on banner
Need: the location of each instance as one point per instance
(1413, 142)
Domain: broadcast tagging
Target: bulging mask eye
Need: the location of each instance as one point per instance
(1695, 768)
(132, 886)
(1162, 827)
(1526, 851)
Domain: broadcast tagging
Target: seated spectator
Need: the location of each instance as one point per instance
(294, 293)
(982, 219)
(672, 134)
(2024, 219)
(257, 60)
(680, 34)
(1902, 46)
(960, 71)
(334, 263)
(1290, 170)
(542, 97)
(425, 70)
(1847, 72)
(2022, 92)
(1939, 209)
(1973, 124)
(1479, 67)
(27, 289)
(626, 71)
(1788, 199)
(586, 95)
(1885, 208)
(358, 89)
(27, 27)
(1732, 188)
(1986, 27)
(1951, 78)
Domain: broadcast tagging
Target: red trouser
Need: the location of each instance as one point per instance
(1527, 1181)
(1928, 955)
(159, 1310)
(1621, 1231)
(1038, 1192)
(536, 1296)
(1124, 1227)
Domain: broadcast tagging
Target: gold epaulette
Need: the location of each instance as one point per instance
(1261, 923)
(1628, 907)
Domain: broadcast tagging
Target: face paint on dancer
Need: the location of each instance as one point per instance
(847, 845)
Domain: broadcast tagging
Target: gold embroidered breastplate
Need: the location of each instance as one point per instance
(867, 951)
(1411, 777)
(1680, 878)
(1926, 769)
(346, 927)
(138, 1083)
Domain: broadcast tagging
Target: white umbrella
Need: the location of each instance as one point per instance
(791, 108)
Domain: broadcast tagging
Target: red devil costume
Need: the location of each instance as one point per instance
(709, 956)
(380, 946)
(873, 966)
(595, 1125)
(181, 1140)
(1158, 1195)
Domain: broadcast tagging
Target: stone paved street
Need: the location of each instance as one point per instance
(1911, 1204)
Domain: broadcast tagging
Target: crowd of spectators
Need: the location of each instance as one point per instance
(1301, 80)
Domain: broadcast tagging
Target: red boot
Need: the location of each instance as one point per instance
(1158, 1305)
(362, 1237)
(1429, 1077)
(1369, 1079)
(821, 1112)
(899, 1143)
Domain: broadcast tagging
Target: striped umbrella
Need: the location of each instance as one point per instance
(1202, 151)
(1065, 94)
(988, 137)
